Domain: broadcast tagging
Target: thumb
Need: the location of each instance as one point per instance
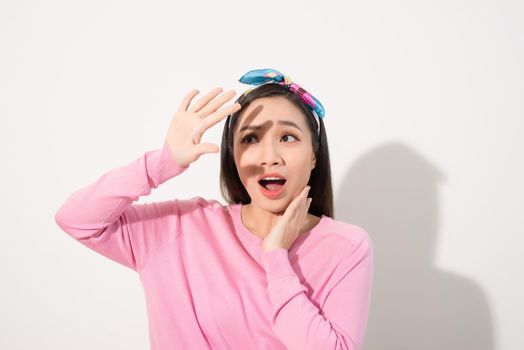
(202, 148)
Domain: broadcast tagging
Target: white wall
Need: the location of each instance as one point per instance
(423, 103)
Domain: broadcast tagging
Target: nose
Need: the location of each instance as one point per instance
(270, 154)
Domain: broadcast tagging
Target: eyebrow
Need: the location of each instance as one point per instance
(281, 122)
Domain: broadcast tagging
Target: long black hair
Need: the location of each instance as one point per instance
(321, 190)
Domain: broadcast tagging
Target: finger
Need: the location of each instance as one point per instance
(205, 99)
(214, 118)
(216, 104)
(301, 197)
(298, 203)
(306, 189)
(187, 99)
(305, 197)
(202, 148)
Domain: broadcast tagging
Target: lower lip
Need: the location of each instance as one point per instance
(272, 193)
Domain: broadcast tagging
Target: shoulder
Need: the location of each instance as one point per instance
(182, 208)
(352, 236)
(198, 203)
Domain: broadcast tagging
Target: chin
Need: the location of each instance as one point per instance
(275, 206)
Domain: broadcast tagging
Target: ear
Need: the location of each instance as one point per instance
(314, 160)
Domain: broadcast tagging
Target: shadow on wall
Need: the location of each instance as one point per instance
(393, 193)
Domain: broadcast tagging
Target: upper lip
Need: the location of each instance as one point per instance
(272, 175)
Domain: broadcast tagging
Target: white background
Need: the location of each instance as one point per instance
(423, 112)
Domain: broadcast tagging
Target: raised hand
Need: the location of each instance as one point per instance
(188, 125)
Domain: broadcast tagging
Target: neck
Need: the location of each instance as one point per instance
(260, 222)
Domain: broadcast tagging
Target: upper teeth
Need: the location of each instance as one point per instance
(272, 178)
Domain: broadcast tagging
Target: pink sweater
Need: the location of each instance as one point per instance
(207, 283)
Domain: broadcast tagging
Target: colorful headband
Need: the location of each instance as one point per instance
(268, 75)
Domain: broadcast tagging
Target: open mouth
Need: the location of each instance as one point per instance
(273, 184)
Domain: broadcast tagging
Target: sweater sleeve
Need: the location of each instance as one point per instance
(101, 216)
(341, 323)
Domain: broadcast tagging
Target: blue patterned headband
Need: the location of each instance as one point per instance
(268, 75)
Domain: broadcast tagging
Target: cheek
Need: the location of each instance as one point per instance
(300, 159)
(246, 158)
(244, 164)
(301, 173)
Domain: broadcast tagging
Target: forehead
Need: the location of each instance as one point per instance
(271, 108)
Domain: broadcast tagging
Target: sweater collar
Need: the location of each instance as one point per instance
(257, 241)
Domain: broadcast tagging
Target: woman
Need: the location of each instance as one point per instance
(271, 269)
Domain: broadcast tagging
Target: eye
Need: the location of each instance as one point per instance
(247, 137)
(291, 136)
(253, 135)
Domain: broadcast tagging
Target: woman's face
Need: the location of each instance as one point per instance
(272, 136)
